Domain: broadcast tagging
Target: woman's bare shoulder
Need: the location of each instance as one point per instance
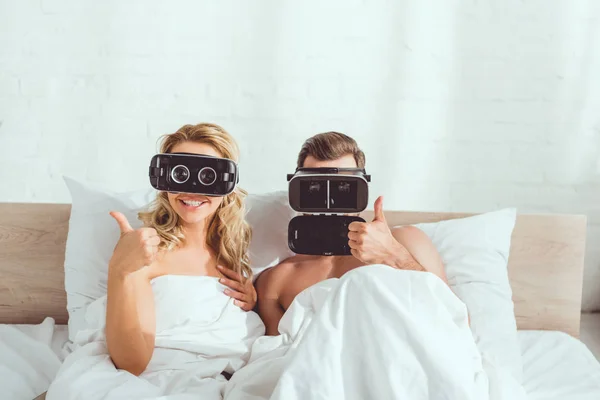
(160, 265)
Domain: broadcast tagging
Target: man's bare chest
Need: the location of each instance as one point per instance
(308, 274)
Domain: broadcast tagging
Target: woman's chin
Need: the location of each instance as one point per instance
(192, 219)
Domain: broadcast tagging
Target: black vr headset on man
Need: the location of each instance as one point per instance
(323, 193)
(193, 173)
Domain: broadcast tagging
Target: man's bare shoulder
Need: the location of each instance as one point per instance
(407, 229)
(421, 248)
(409, 233)
(271, 278)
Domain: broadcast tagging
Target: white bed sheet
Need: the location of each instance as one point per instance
(558, 367)
(555, 365)
(59, 341)
(30, 356)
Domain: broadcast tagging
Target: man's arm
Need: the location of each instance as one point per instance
(421, 252)
(269, 308)
(424, 252)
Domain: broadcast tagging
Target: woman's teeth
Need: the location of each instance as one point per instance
(192, 203)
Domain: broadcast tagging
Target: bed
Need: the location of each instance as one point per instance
(545, 270)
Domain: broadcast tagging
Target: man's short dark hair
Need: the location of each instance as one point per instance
(331, 146)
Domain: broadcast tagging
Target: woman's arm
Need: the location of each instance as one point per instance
(130, 312)
(130, 321)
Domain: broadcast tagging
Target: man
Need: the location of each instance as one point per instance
(372, 242)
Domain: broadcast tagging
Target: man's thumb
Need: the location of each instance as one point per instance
(378, 215)
(122, 221)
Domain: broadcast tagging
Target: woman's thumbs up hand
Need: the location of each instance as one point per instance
(136, 248)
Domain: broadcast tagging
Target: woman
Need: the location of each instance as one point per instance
(169, 315)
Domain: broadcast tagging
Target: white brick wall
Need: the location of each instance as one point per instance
(463, 105)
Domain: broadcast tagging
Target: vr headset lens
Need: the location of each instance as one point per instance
(343, 194)
(180, 174)
(314, 194)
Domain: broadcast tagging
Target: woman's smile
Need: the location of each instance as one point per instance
(192, 203)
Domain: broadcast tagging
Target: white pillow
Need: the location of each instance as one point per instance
(269, 215)
(93, 234)
(475, 253)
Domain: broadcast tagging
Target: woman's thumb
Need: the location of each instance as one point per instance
(124, 225)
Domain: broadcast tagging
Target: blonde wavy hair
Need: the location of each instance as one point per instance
(228, 232)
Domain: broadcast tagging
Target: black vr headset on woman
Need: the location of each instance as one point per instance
(323, 193)
(193, 173)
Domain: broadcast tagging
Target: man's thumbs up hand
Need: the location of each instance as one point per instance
(379, 216)
(372, 242)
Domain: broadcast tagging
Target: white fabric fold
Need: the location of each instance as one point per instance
(200, 333)
(27, 363)
(375, 333)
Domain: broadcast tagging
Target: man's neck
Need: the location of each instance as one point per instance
(343, 264)
(336, 266)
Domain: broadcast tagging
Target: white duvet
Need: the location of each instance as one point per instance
(199, 334)
(376, 333)
(556, 366)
